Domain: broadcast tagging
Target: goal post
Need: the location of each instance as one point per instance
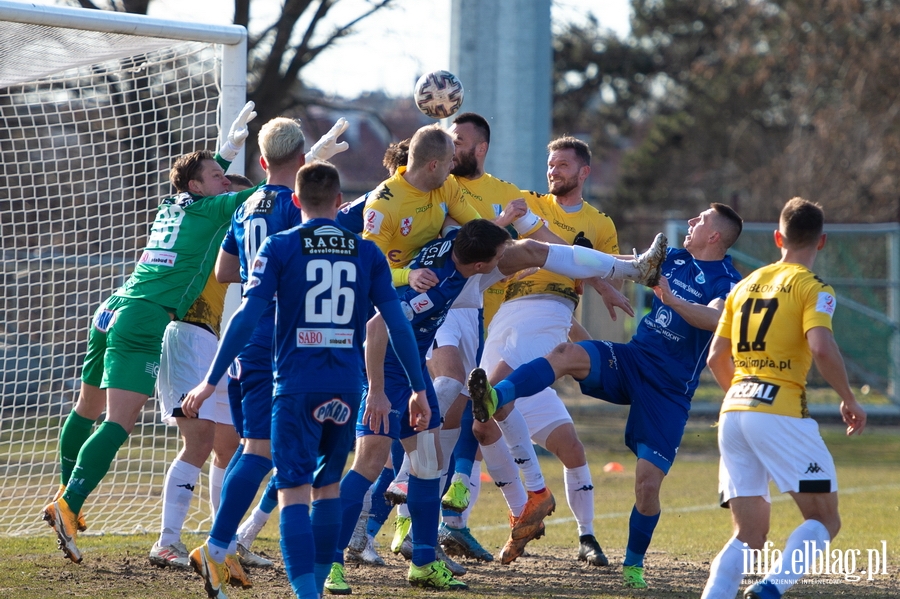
(95, 107)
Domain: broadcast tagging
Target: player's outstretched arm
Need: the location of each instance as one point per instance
(719, 361)
(830, 363)
(238, 332)
(238, 133)
(328, 145)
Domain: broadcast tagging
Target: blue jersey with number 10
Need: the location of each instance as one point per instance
(326, 278)
(270, 210)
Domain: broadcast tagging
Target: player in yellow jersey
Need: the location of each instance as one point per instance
(776, 322)
(407, 211)
(457, 342)
(535, 318)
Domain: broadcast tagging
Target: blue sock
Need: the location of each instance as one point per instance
(381, 509)
(233, 461)
(464, 453)
(353, 489)
(640, 531)
(269, 499)
(326, 518)
(524, 381)
(238, 492)
(423, 500)
(298, 550)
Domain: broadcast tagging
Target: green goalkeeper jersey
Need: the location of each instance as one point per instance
(182, 248)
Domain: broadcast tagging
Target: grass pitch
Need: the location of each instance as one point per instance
(691, 531)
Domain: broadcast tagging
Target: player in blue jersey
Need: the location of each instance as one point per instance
(269, 210)
(478, 248)
(326, 278)
(656, 373)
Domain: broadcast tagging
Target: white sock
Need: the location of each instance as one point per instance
(403, 474)
(811, 531)
(727, 571)
(578, 262)
(178, 490)
(517, 436)
(474, 483)
(447, 438)
(216, 478)
(251, 526)
(580, 495)
(447, 390)
(503, 470)
(403, 510)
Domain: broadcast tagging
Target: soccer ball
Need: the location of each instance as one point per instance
(438, 94)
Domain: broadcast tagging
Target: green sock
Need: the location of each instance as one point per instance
(94, 461)
(75, 431)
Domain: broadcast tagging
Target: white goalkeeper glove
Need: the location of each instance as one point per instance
(328, 146)
(238, 133)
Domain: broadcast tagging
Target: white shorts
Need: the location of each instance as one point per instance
(461, 329)
(187, 352)
(525, 329)
(756, 448)
(521, 331)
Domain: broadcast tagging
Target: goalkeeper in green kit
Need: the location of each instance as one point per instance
(126, 331)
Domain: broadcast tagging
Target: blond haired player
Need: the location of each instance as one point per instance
(776, 322)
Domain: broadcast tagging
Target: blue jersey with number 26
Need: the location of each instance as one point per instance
(326, 278)
(270, 210)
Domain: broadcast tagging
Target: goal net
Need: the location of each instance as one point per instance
(94, 108)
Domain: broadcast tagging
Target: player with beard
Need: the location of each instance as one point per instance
(539, 308)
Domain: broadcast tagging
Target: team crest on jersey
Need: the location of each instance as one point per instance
(825, 303)
(335, 410)
(406, 226)
(372, 221)
(104, 319)
(259, 265)
(663, 317)
(700, 278)
(421, 303)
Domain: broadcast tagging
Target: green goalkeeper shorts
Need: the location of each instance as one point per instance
(124, 345)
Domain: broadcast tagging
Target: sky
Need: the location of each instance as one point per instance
(391, 48)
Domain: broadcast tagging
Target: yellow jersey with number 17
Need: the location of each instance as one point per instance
(767, 316)
(596, 226)
(400, 219)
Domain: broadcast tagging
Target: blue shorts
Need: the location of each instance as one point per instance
(398, 391)
(659, 411)
(257, 387)
(312, 433)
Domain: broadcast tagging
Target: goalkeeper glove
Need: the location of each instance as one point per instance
(327, 146)
(238, 133)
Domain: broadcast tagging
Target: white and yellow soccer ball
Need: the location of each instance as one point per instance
(439, 94)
